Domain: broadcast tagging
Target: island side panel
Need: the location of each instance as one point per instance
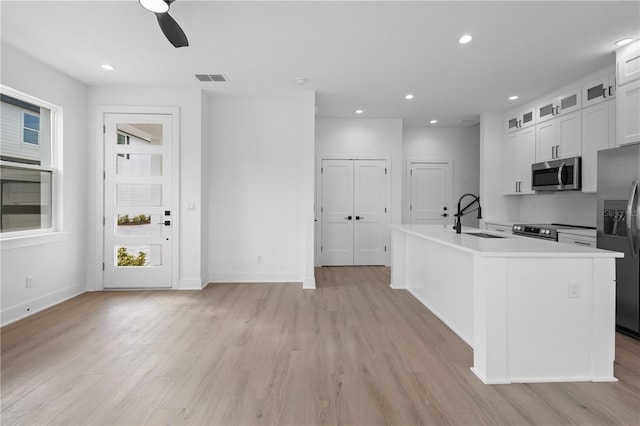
(550, 318)
(398, 249)
(603, 340)
(490, 320)
(441, 278)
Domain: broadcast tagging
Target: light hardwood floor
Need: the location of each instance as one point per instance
(352, 352)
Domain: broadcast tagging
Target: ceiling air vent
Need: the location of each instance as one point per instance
(211, 77)
(467, 123)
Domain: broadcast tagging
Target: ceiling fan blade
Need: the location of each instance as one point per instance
(172, 30)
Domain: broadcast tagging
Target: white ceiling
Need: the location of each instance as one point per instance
(354, 54)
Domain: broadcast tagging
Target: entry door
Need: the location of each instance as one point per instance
(430, 193)
(353, 212)
(137, 201)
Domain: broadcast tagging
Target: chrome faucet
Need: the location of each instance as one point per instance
(463, 211)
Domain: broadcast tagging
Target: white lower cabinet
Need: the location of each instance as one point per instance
(598, 132)
(578, 240)
(497, 227)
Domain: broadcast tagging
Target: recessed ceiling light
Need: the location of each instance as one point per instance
(465, 39)
(157, 6)
(409, 96)
(107, 67)
(433, 121)
(513, 98)
(359, 111)
(624, 41)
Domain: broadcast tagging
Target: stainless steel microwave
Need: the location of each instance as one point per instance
(557, 175)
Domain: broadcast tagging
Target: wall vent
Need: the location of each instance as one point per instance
(211, 77)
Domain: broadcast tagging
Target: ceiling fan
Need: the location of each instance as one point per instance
(168, 25)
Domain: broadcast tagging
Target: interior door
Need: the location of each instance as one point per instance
(354, 212)
(370, 200)
(337, 212)
(137, 201)
(430, 194)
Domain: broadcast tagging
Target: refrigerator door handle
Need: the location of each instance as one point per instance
(631, 236)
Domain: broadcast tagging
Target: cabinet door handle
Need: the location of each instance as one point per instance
(557, 151)
(582, 243)
(553, 152)
(610, 91)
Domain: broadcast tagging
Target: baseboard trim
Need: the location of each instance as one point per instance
(257, 277)
(28, 308)
(190, 284)
(309, 283)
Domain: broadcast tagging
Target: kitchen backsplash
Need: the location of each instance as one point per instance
(574, 208)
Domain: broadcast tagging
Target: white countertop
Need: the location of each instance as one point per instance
(508, 246)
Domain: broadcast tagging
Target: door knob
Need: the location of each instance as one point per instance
(444, 215)
(165, 223)
(359, 217)
(348, 217)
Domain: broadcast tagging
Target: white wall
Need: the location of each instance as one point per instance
(362, 138)
(462, 145)
(190, 104)
(260, 189)
(58, 268)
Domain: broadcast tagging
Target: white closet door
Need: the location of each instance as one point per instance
(369, 212)
(337, 212)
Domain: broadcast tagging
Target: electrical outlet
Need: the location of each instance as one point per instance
(573, 292)
(259, 259)
(29, 281)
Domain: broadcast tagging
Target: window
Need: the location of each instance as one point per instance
(27, 163)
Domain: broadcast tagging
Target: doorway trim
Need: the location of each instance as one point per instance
(318, 200)
(406, 216)
(99, 199)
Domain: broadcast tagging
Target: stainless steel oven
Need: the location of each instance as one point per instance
(557, 175)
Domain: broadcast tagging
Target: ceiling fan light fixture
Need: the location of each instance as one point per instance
(156, 6)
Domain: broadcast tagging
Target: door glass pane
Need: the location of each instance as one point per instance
(138, 255)
(138, 224)
(139, 134)
(133, 194)
(139, 164)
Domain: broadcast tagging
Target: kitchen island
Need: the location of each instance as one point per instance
(532, 310)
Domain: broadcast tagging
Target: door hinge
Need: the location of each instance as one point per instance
(385, 248)
(385, 209)
(321, 248)
(104, 220)
(411, 172)
(104, 129)
(321, 209)
(104, 175)
(103, 266)
(385, 170)
(321, 170)
(410, 207)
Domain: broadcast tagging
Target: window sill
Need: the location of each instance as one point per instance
(10, 243)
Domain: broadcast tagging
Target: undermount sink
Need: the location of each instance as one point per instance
(483, 235)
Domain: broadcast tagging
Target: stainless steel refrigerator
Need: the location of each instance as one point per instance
(619, 228)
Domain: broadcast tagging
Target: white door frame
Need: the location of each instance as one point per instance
(318, 203)
(175, 185)
(407, 185)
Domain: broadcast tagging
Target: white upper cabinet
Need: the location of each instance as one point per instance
(519, 154)
(598, 132)
(565, 103)
(628, 94)
(628, 63)
(599, 90)
(520, 119)
(559, 138)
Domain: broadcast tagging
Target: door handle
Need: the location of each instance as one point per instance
(444, 215)
(349, 217)
(165, 223)
(562, 176)
(359, 217)
(630, 204)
